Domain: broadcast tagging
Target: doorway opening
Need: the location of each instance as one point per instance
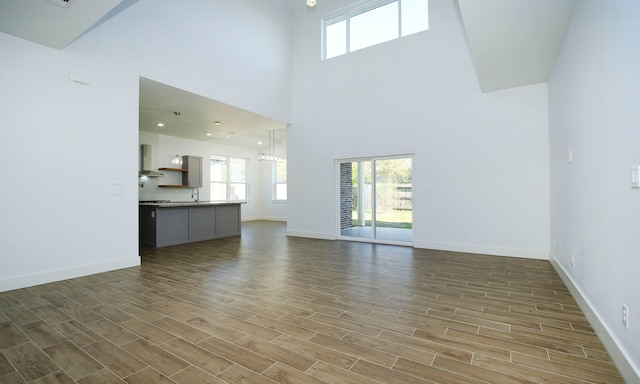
(376, 199)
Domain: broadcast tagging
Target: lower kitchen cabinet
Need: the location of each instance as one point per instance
(202, 223)
(226, 222)
(171, 225)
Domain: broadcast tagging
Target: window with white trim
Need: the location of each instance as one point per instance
(279, 172)
(228, 178)
(373, 22)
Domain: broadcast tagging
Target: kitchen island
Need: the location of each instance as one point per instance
(165, 223)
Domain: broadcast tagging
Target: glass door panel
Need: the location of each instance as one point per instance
(393, 200)
(355, 199)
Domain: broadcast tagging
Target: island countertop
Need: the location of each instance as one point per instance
(172, 204)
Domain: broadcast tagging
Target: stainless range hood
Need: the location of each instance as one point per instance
(145, 162)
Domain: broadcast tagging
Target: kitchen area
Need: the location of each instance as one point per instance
(180, 135)
(164, 222)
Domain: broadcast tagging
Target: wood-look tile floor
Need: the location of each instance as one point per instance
(265, 308)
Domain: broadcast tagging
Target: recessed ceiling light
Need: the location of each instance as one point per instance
(160, 125)
(209, 134)
(259, 142)
(226, 137)
(217, 123)
(62, 3)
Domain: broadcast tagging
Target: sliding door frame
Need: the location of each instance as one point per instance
(361, 177)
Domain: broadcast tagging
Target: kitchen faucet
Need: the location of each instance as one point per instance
(195, 193)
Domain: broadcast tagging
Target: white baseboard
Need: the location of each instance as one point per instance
(630, 373)
(484, 250)
(273, 218)
(312, 235)
(265, 218)
(23, 281)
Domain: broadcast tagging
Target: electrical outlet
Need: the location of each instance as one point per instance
(625, 316)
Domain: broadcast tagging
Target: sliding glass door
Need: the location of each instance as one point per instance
(376, 199)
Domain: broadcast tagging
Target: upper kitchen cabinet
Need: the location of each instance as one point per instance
(192, 178)
(191, 173)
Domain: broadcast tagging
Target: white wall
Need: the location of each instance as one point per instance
(69, 192)
(258, 206)
(70, 186)
(236, 52)
(593, 111)
(269, 209)
(481, 160)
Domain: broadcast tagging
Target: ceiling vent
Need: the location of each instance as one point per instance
(62, 3)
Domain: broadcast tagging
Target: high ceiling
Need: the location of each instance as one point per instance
(512, 43)
(55, 23)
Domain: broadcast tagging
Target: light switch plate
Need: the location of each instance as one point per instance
(635, 174)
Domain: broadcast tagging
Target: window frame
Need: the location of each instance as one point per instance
(228, 182)
(275, 182)
(346, 13)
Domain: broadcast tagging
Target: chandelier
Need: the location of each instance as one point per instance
(271, 155)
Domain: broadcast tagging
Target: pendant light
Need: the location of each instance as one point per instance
(176, 160)
(270, 155)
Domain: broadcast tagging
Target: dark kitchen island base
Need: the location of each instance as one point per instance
(165, 224)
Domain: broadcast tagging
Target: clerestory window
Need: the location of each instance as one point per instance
(365, 24)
